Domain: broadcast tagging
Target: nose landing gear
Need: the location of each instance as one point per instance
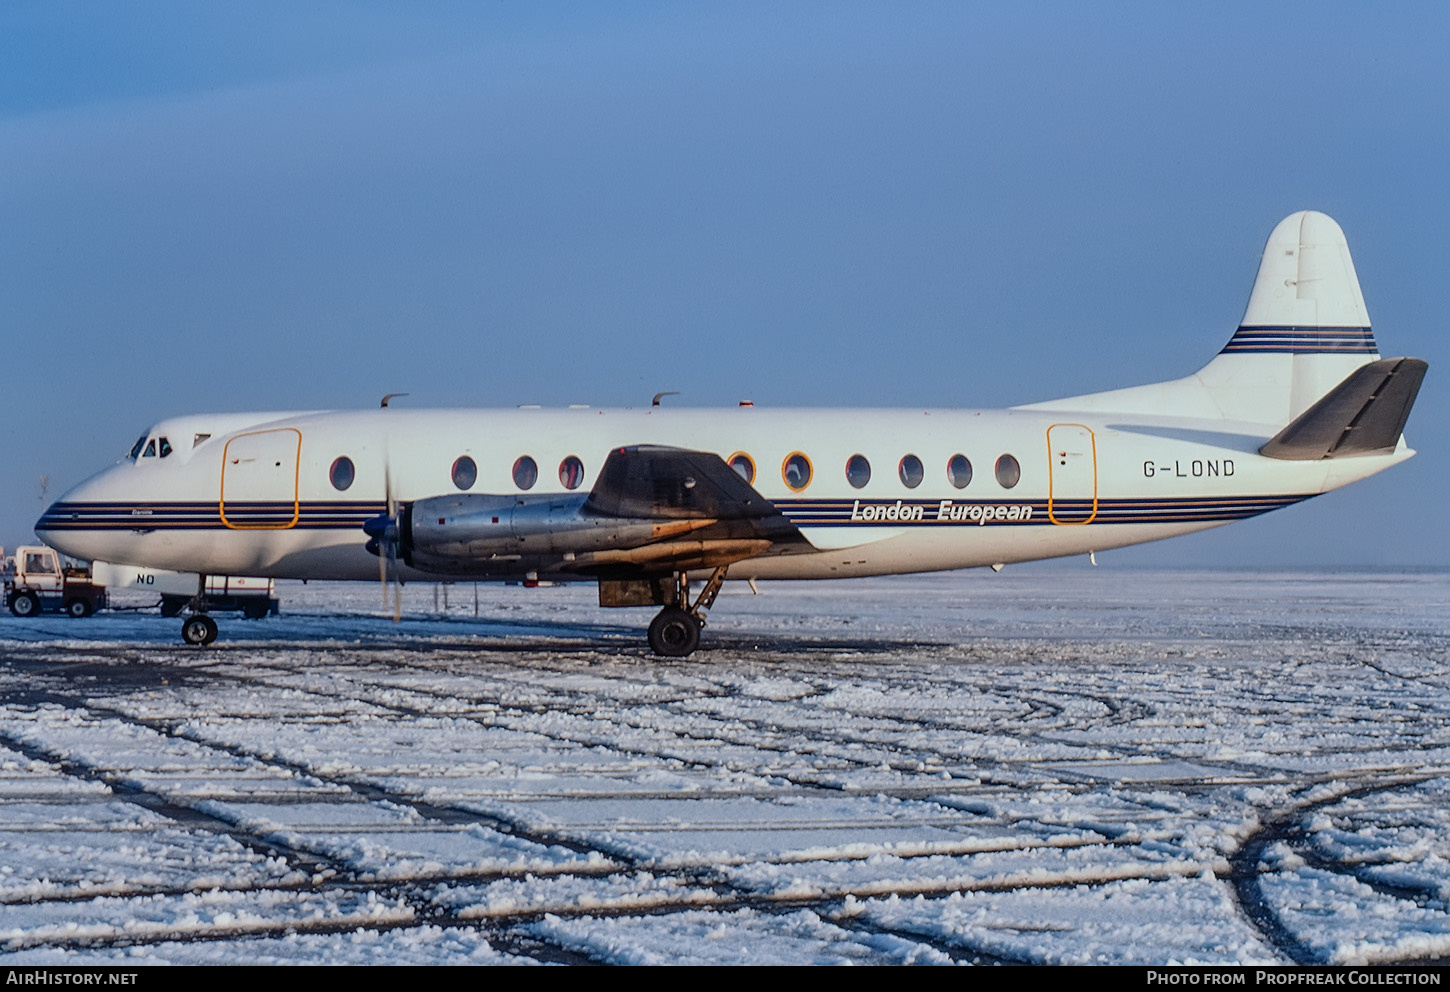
(198, 629)
(675, 632)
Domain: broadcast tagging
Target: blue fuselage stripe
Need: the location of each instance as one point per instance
(802, 512)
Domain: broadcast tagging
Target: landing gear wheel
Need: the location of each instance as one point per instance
(78, 608)
(25, 604)
(674, 633)
(200, 629)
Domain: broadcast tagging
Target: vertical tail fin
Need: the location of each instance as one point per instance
(1305, 330)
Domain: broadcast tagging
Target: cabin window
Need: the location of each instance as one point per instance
(136, 448)
(796, 471)
(571, 472)
(526, 472)
(959, 471)
(911, 471)
(858, 471)
(150, 451)
(164, 446)
(1009, 473)
(465, 472)
(341, 473)
(743, 465)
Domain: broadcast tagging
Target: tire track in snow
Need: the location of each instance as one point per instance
(730, 895)
(153, 802)
(615, 707)
(1247, 867)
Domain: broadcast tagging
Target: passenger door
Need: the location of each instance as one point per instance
(259, 480)
(1072, 496)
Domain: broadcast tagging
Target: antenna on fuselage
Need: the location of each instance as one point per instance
(660, 396)
(390, 396)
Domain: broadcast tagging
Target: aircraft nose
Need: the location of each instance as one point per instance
(56, 528)
(69, 524)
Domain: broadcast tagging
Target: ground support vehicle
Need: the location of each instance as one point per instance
(40, 582)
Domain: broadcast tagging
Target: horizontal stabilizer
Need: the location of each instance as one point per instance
(1365, 414)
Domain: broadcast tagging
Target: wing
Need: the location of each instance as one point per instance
(653, 510)
(674, 484)
(727, 519)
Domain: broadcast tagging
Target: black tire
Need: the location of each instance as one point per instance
(25, 604)
(79, 608)
(674, 633)
(254, 611)
(171, 606)
(200, 629)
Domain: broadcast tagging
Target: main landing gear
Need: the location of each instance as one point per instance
(675, 632)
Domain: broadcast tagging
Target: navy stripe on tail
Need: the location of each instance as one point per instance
(1301, 341)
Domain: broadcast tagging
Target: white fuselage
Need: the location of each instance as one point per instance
(251, 494)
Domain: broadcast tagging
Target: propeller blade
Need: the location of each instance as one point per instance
(382, 571)
(383, 531)
(393, 535)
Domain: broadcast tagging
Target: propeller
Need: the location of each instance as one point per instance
(385, 532)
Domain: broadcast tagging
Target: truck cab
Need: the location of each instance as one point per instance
(41, 582)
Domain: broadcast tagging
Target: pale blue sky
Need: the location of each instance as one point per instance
(273, 205)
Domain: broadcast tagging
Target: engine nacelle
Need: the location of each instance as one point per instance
(446, 532)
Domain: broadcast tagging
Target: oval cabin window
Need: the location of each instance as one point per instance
(858, 471)
(796, 471)
(526, 472)
(465, 473)
(342, 473)
(571, 472)
(743, 465)
(1009, 473)
(959, 471)
(911, 471)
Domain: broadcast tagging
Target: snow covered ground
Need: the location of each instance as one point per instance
(1047, 765)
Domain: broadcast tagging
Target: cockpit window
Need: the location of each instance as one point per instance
(39, 564)
(136, 448)
(150, 451)
(165, 446)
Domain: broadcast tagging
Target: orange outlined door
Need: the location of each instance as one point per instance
(1072, 496)
(259, 480)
